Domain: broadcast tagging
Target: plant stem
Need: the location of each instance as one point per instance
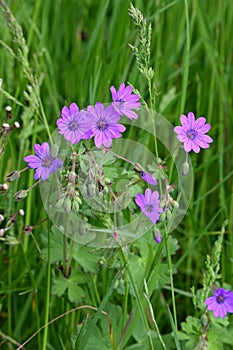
(169, 260)
(47, 292)
(138, 298)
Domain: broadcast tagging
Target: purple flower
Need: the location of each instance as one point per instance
(103, 124)
(73, 124)
(220, 303)
(149, 204)
(149, 178)
(43, 162)
(125, 101)
(192, 133)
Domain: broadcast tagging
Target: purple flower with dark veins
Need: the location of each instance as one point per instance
(103, 124)
(43, 162)
(149, 178)
(124, 101)
(73, 124)
(149, 204)
(220, 303)
(192, 132)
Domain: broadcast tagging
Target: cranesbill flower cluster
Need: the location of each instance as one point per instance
(103, 125)
(96, 121)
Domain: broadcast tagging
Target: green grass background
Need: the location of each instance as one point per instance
(81, 49)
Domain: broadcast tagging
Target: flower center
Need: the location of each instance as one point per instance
(220, 299)
(119, 103)
(192, 134)
(47, 162)
(149, 208)
(102, 125)
(73, 125)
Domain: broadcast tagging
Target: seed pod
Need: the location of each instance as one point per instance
(21, 195)
(14, 175)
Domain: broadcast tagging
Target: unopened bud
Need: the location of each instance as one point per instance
(204, 320)
(1, 218)
(28, 229)
(6, 126)
(13, 176)
(3, 188)
(157, 235)
(75, 206)
(185, 168)
(21, 212)
(8, 108)
(16, 125)
(138, 168)
(175, 204)
(2, 231)
(116, 236)
(162, 216)
(168, 214)
(68, 204)
(21, 195)
(101, 261)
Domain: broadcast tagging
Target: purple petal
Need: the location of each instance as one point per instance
(39, 150)
(65, 112)
(184, 121)
(129, 114)
(113, 92)
(73, 108)
(33, 161)
(191, 120)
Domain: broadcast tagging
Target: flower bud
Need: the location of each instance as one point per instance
(2, 231)
(185, 168)
(1, 218)
(68, 204)
(3, 188)
(101, 261)
(6, 126)
(8, 110)
(204, 320)
(21, 195)
(162, 216)
(168, 214)
(138, 168)
(16, 125)
(175, 204)
(21, 212)
(157, 235)
(116, 236)
(28, 229)
(14, 175)
(75, 206)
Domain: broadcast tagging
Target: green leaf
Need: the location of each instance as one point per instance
(59, 286)
(87, 258)
(75, 293)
